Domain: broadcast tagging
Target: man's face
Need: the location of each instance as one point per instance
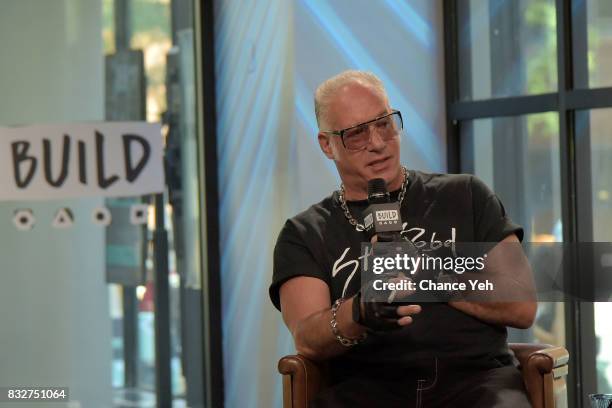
(354, 104)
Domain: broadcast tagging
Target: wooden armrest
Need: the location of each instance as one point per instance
(544, 357)
(297, 365)
(544, 368)
(301, 380)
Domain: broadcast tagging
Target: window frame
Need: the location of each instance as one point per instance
(206, 119)
(576, 201)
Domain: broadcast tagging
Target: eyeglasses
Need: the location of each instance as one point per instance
(358, 137)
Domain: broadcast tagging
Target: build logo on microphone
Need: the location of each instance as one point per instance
(385, 217)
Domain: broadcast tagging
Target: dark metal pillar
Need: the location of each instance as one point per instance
(130, 301)
(163, 379)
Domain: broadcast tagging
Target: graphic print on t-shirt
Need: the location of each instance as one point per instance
(413, 234)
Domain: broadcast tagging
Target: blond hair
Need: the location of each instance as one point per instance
(328, 88)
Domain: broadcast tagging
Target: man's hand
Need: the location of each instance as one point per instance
(377, 311)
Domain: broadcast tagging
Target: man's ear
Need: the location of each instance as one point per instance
(325, 144)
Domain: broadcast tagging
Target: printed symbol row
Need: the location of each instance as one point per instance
(24, 219)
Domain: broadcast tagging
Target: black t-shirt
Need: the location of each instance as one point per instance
(321, 243)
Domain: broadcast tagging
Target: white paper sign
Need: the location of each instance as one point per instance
(107, 159)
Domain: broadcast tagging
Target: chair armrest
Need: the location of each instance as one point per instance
(543, 356)
(544, 368)
(301, 380)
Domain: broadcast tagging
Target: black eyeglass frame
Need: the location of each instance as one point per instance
(342, 131)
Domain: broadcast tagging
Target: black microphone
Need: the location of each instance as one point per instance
(382, 217)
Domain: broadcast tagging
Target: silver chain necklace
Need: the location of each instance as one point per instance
(347, 212)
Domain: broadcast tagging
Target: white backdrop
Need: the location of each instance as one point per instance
(271, 55)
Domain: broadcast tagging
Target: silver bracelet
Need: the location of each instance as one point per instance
(345, 341)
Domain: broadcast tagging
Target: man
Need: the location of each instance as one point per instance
(431, 354)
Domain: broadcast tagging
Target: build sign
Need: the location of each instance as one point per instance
(113, 159)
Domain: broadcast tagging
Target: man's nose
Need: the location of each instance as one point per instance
(376, 141)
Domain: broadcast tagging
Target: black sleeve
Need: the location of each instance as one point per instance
(292, 258)
(491, 223)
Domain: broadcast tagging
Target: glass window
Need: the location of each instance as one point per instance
(162, 30)
(592, 36)
(518, 157)
(506, 48)
(88, 296)
(598, 124)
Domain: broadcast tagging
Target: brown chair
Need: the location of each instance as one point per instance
(544, 368)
